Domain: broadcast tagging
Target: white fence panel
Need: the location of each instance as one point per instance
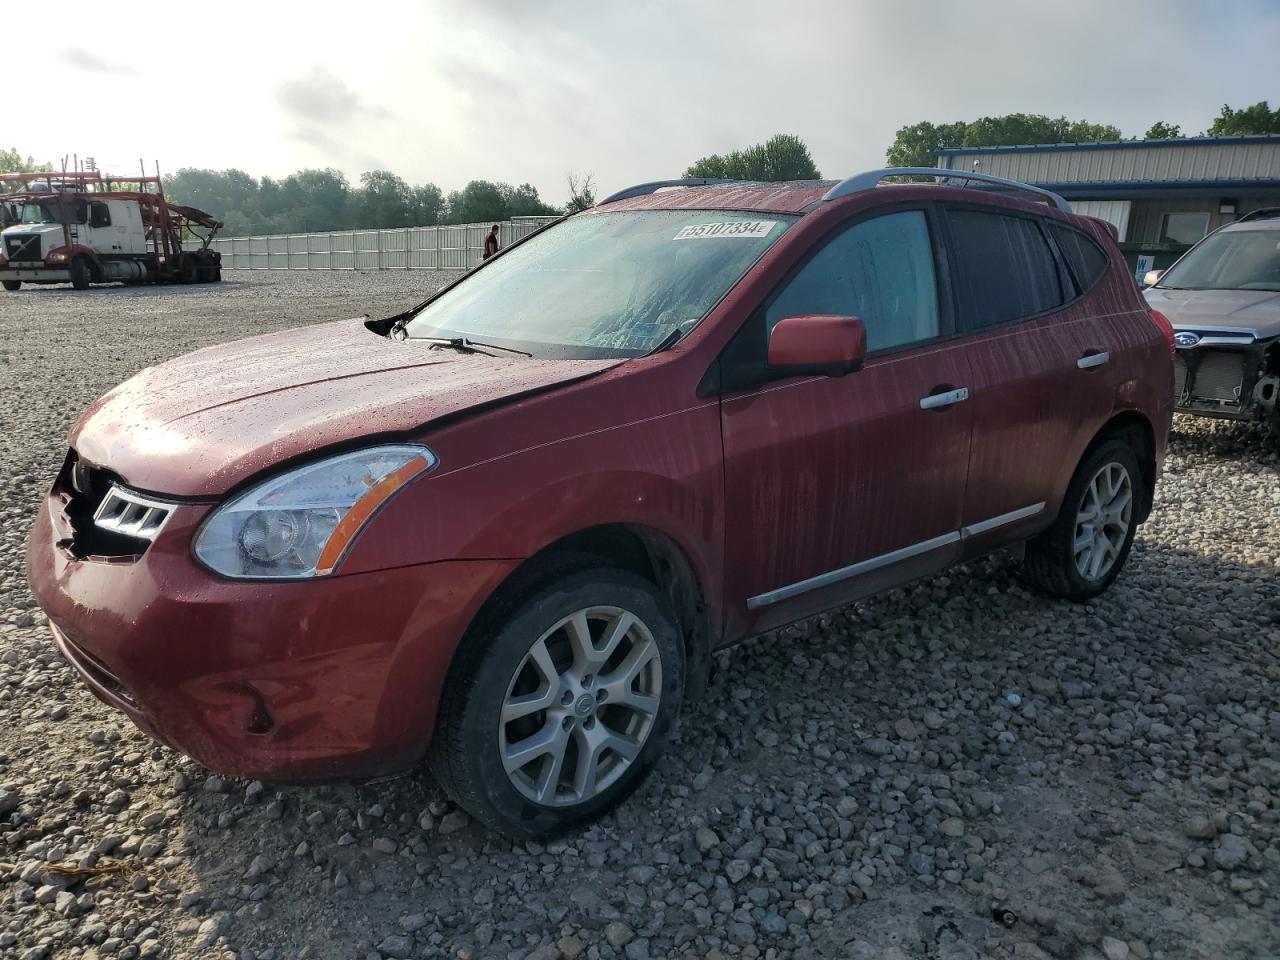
(445, 247)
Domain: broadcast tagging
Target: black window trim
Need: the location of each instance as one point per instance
(94, 207)
(1080, 288)
(1064, 275)
(720, 380)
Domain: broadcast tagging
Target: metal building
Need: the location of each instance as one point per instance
(1161, 195)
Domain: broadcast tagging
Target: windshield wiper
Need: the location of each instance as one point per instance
(666, 343)
(466, 345)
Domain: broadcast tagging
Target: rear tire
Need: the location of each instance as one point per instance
(81, 273)
(1086, 548)
(12, 285)
(540, 729)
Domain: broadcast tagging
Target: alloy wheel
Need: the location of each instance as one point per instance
(1102, 521)
(580, 706)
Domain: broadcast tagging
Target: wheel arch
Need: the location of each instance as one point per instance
(646, 551)
(1136, 428)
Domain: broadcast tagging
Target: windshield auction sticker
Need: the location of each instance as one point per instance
(749, 229)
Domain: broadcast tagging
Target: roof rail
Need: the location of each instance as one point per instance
(872, 178)
(641, 189)
(1264, 213)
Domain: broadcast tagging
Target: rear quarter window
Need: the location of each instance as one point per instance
(1087, 261)
(1004, 268)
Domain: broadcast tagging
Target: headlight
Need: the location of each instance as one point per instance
(300, 523)
(56, 256)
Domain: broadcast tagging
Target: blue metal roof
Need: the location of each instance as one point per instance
(1106, 145)
(1081, 190)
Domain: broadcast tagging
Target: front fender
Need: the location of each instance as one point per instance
(665, 473)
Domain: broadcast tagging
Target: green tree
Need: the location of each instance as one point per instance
(781, 157)
(11, 161)
(582, 193)
(428, 205)
(523, 201)
(1258, 119)
(227, 194)
(480, 201)
(1163, 131)
(914, 146)
(714, 167)
(383, 200)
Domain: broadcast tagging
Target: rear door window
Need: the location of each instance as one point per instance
(1085, 258)
(1004, 269)
(879, 270)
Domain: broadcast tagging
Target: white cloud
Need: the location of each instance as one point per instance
(450, 91)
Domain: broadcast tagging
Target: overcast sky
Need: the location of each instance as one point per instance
(527, 90)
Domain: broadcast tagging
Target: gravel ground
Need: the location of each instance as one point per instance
(894, 780)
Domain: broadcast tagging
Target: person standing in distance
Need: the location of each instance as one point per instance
(491, 242)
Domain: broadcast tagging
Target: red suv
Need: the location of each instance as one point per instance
(505, 529)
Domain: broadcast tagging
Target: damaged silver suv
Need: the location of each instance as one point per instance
(1223, 299)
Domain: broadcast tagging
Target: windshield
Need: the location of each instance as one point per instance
(1232, 260)
(604, 284)
(37, 213)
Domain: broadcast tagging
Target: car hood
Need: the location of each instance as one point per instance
(202, 423)
(1256, 310)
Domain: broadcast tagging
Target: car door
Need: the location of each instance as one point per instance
(838, 486)
(1041, 380)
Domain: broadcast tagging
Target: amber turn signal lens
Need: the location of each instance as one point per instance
(362, 510)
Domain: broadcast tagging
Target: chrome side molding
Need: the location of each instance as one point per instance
(893, 556)
(982, 526)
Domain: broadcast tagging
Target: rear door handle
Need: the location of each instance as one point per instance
(1092, 360)
(936, 400)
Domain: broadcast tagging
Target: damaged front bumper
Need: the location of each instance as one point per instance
(1233, 377)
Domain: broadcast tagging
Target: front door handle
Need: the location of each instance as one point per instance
(935, 401)
(1092, 360)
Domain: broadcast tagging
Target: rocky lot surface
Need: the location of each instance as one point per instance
(956, 770)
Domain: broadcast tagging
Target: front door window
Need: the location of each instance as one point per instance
(880, 271)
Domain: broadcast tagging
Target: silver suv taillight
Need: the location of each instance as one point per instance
(131, 514)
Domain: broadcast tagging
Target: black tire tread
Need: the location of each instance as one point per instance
(448, 744)
(1044, 566)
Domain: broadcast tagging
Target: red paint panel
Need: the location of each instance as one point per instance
(822, 473)
(1036, 410)
(349, 668)
(200, 424)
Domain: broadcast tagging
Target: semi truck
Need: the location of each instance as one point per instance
(86, 227)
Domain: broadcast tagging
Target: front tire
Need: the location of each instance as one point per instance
(12, 285)
(554, 713)
(1086, 548)
(81, 274)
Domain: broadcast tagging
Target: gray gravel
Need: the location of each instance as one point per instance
(886, 782)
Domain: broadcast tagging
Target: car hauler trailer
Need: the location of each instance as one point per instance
(86, 227)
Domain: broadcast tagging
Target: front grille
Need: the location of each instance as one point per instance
(1179, 376)
(107, 518)
(131, 515)
(22, 246)
(1219, 376)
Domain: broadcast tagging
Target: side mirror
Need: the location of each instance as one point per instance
(1151, 276)
(820, 343)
